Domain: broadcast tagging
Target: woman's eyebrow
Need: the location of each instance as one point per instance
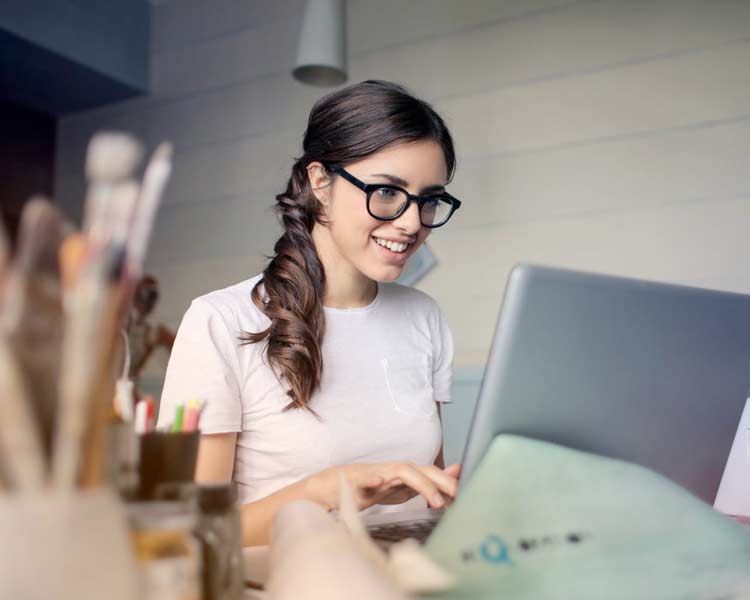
(403, 183)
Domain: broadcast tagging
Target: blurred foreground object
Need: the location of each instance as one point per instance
(314, 556)
(66, 546)
(31, 332)
(539, 521)
(64, 296)
(220, 532)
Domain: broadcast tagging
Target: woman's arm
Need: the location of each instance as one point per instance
(453, 470)
(440, 460)
(380, 483)
(257, 517)
(371, 483)
(216, 464)
(215, 458)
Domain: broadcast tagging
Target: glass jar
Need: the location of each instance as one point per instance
(220, 532)
(166, 550)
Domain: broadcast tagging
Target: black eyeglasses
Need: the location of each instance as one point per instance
(387, 202)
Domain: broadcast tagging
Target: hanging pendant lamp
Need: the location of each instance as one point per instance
(321, 54)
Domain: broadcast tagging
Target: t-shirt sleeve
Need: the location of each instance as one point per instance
(204, 366)
(442, 365)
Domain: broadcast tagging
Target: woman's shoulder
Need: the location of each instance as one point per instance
(234, 305)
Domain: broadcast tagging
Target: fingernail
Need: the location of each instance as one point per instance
(438, 500)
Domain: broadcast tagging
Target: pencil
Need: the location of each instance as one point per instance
(178, 416)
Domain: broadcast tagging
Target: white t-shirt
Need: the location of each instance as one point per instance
(384, 367)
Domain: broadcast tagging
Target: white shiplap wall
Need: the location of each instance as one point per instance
(607, 135)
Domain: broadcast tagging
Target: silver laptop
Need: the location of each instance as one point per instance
(650, 373)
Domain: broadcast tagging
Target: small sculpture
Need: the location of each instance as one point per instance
(145, 338)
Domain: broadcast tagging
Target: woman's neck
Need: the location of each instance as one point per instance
(346, 286)
(343, 293)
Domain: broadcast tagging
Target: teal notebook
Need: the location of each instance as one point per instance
(539, 521)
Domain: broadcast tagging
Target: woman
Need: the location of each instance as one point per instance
(319, 367)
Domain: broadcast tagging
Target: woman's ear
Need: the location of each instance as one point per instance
(319, 181)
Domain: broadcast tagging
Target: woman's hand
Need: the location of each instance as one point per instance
(387, 483)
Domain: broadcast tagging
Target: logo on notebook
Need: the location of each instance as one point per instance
(494, 550)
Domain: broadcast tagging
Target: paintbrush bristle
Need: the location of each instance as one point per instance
(163, 152)
(112, 155)
(155, 179)
(40, 233)
(71, 255)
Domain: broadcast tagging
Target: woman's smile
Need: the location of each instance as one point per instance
(393, 252)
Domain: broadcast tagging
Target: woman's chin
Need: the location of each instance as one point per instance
(386, 275)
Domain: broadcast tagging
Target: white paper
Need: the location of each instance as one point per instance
(733, 497)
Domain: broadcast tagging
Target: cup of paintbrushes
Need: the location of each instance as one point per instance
(167, 462)
(66, 545)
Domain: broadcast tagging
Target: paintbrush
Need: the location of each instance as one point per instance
(32, 309)
(84, 308)
(91, 306)
(24, 467)
(111, 158)
(155, 180)
(104, 412)
(30, 329)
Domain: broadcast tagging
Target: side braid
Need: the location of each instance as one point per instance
(292, 294)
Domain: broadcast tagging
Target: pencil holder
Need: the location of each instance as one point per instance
(66, 545)
(166, 463)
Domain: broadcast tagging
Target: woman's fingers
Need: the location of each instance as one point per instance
(453, 470)
(398, 481)
(371, 480)
(447, 483)
(417, 480)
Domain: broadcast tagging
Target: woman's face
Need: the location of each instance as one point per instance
(356, 238)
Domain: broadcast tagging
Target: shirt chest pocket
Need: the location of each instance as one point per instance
(409, 382)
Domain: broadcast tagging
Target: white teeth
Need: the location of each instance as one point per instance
(392, 246)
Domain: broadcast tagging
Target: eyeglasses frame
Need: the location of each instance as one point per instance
(369, 188)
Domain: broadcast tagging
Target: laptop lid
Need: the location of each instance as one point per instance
(650, 373)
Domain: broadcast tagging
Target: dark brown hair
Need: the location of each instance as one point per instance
(344, 127)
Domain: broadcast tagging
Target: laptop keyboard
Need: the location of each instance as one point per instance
(418, 529)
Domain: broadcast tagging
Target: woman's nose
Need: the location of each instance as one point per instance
(409, 222)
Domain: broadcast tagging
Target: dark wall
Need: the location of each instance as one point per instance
(27, 159)
(110, 37)
(64, 56)
(58, 57)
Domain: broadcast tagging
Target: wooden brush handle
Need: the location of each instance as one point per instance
(102, 406)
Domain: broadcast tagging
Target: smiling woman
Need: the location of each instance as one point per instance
(322, 366)
(378, 230)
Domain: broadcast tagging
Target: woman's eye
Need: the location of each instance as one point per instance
(386, 193)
